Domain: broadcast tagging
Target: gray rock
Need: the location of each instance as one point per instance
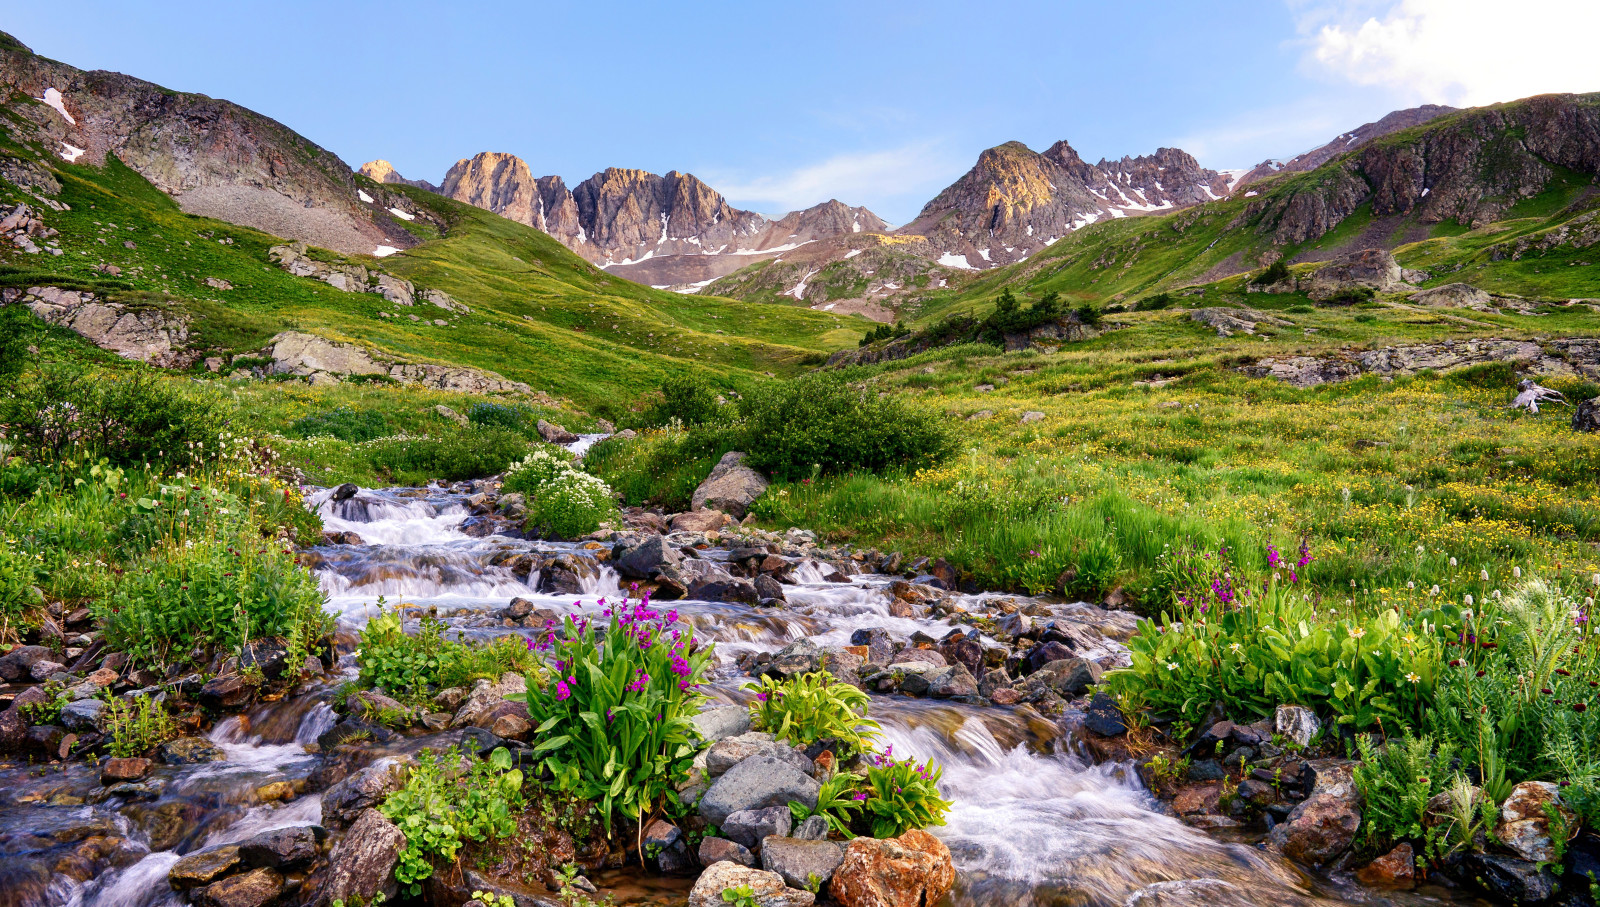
(1511, 880)
(1373, 269)
(645, 559)
(726, 753)
(722, 722)
(955, 682)
(731, 487)
(755, 783)
(1103, 717)
(814, 828)
(361, 865)
(344, 802)
(282, 847)
(18, 663)
(1455, 295)
(802, 864)
(750, 826)
(715, 850)
(1066, 677)
(82, 716)
(1297, 723)
(767, 888)
(555, 434)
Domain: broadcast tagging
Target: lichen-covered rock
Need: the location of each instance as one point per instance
(1373, 269)
(756, 783)
(1455, 295)
(1524, 824)
(802, 863)
(912, 870)
(766, 887)
(361, 865)
(152, 336)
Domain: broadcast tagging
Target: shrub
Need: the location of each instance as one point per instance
(401, 663)
(344, 423)
(818, 422)
(688, 399)
(1396, 783)
(1275, 272)
(1088, 313)
(1301, 309)
(811, 707)
(1153, 303)
(572, 506)
(498, 415)
(1350, 296)
(662, 467)
(182, 600)
(885, 332)
(447, 802)
(614, 724)
(542, 466)
(458, 456)
(126, 420)
(19, 592)
(904, 795)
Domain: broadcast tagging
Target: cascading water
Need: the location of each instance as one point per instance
(1032, 821)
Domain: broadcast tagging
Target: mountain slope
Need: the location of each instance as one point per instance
(1346, 141)
(534, 312)
(213, 157)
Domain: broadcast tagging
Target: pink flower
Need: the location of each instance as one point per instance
(562, 693)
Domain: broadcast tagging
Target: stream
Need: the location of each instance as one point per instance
(1034, 821)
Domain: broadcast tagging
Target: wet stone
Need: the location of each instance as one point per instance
(204, 867)
(189, 751)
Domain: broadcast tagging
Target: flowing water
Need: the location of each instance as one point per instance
(1034, 822)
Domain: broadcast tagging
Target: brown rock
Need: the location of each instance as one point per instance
(1318, 830)
(129, 769)
(1524, 824)
(252, 889)
(1197, 799)
(204, 867)
(912, 870)
(361, 866)
(1395, 869)
(700, 521)
(104, 677)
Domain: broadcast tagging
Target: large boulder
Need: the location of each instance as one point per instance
(1373, 269)
(803, 864)
(912, 870)
(361, 865)
(644, 559)
(726, 753)
(1455, 295)
(1586, 416)
(554, 434)
(722, 722)
(755, 783)
(766, 887)
(1524, 824)
(356, 795)
(750, 827)
(731, 488)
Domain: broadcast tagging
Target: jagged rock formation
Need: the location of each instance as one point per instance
(502, 183)
(20, 226)
(1227, 321)
(214, 158)
(1552, 357)
(149, 335)
(323, 361)
(384, 172)
(1016, 201)
(1345, 141)
(1469, 168)
(353, 278)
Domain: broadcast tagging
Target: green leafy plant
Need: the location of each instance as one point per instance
(137, 725)
(820, 422)
(806, 708)
(490, 899)
(563, 501)
(1396, 782)
(740, 896)
(903, 795)
(614, 722)
(837, 799)
(398, 662)
(447, 801)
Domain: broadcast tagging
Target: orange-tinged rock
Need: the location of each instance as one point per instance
(912, 870)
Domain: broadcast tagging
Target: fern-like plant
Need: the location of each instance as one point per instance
(1397, 781)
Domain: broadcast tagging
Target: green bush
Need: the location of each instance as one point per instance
(884, 332)
(446, 802)
(128, 420)
(498, 415)
(19, 590)
(687, 399)
(661, 467)
(615, 722)
(810, 707)
(137, 725)
(1350, 296)
(819, 423)
(1275, 272)
(412, 666)
(343, 423)
(1153, 303)
(455, 457)
(562, 501)
(210, 593)
(542, 466)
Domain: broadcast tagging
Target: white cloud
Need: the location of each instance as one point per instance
(1462, 52)
(853, 178)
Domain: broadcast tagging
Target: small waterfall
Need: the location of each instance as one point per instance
(144, 884)
(604, 584)
(581, 446)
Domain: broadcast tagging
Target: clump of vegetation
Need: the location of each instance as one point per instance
(614, 719)
(137, 725)
(413, 666)
(344, 423)
(563, 502)
(663, 466)
(62, 410)
(904, 794)
(884, 332)
(1154, 302)
(445, 803)
(685, 400)
(814, 707)
(820, 424)
(1276, 272)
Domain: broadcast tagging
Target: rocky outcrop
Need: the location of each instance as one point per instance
(1577, 356)
(731, 487)
(215, 158)
(1468, 167)
(321, 360)
(152, 335)
(1345, 142)
(1456, 296)
(1367, 269)
(21, 226)
(353, 278)
(1229, 321)
(502, 183)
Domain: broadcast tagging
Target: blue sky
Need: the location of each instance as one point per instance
(781, 106)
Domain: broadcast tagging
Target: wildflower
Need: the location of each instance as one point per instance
(1516, 572)
(1484, 575)
(1172, 666)
(1452, 562)
(1468, 599)
(1410, 584)
(562, 693)
(1235, 647)
(1358, 632)
(1412, 677)
(1580, 707)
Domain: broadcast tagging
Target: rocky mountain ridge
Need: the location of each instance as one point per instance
(1346, 141)
(213, 157)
